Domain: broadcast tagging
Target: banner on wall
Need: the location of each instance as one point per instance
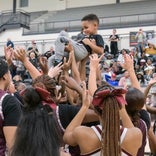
(133, 40)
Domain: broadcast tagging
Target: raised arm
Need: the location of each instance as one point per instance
(129, 66)
(20, 54)
(150, 109)
(68, 135)
(94, 63)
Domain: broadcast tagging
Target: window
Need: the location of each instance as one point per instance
(23, 3)
(117, 1)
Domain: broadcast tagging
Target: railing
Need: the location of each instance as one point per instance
(8, 18)
(105, 23)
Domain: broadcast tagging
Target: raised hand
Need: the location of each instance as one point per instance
(152, 81)
(128, 63)
(20, 54)
(86, 100)
(55, 71)
(43, 63)
(67, 64)
(8, 51)
(94, 61)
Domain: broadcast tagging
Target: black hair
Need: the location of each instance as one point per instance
(37, 133)
(3, 68)
(91, 17)
(135, 102)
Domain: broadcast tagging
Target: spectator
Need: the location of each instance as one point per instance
(50, 57)
(10, 43)
(33, 59)
(141, 79)
(114, 38)
(125, 80)
(33, 48)
(49, 53)
(141, 38)
(120, 58)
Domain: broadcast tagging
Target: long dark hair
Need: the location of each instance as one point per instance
(37, 133)
(107, 106)
(135, 101)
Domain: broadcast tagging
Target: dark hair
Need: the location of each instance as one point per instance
(109, 113)
(45, 82)
(37, 133)
(135, 101)
(3, 68)
(91, 17)
(141, 78)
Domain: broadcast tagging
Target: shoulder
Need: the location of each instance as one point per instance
(132, 134)
(87, 133)
(98, 36)
(10, 104)
(10, 100)
(86, 139)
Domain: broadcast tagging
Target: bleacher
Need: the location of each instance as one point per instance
(121, 15)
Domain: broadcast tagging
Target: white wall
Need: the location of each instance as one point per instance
(53, 5)
(122, 1)
(34, 5)
(84, 3)
(6, 5)
(45, 41)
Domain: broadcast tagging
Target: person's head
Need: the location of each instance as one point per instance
(47, 83)
(37, 133)
(107, 102)
(109, 56)
(5, 77)
(114, 31)
(33, 42)
(126, 74)
(113, 76)
(20, 86)
(140, 30)
(139, 75)
(124, 51)
(135, 102)
(90, 24)
(142, 62)
(17, 78)
(32, 55)
(149, 61)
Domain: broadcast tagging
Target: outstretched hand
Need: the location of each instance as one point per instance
(20, 54)
(8, 53)
(152, 81)
(94, 61)
(128, 62)
(55, 71)
(67, 64)
(43, 63)
(86, 101)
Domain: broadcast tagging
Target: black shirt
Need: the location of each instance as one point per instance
(11, 110)
(98, 39)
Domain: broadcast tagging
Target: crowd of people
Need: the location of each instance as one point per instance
(81, 98)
